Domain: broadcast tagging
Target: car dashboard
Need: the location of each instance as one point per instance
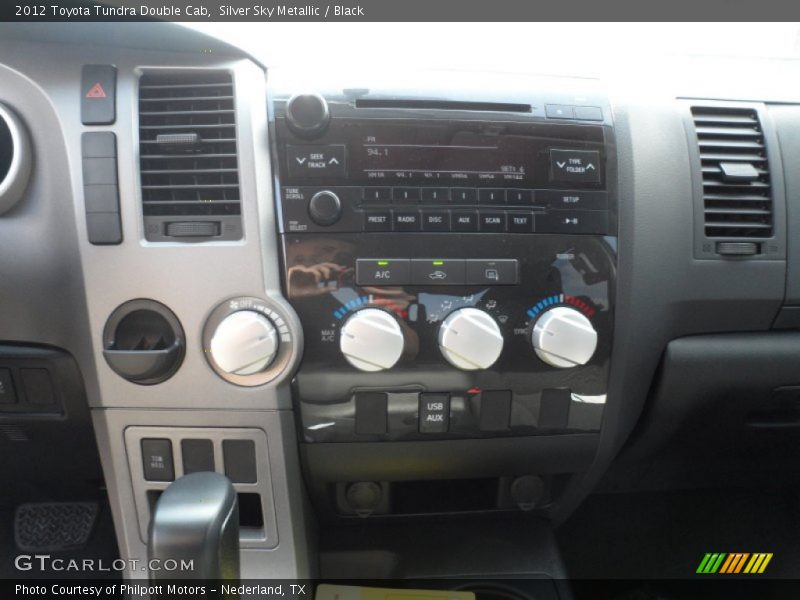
(377, 300)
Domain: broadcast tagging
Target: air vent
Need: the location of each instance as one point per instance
(188, 156)
(737, 192)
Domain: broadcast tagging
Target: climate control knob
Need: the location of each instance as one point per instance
(564, 337)
(244, 343)
(371, 340)
(470, 339)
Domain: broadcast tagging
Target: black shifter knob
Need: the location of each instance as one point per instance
(307, 115)
(197, 519)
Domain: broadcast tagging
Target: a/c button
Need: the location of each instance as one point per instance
(379, 271)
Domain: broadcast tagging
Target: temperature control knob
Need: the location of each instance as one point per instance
(470, 339)
(371, 340)
(244, 343)
(307, 115)
(564, 337)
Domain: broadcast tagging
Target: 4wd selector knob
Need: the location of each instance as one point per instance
(371, 340)
(470, 339)
(307, 115)
(564, 337)
(244, 342)
(325, 208)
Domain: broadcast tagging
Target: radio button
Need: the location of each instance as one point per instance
(406, 220)
(492, 272)
(573, 221)
(519, 197)
(575, 166)
(377, 195)
(435, 220)
(491, 196)
(378, 220)
(404, 195)
(464, 221)
(492, 222)
(435, 195)
(520, 222)
(437, 272)
(573, 199)
(463, 195)
(395, 271)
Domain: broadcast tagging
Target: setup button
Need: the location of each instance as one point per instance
(380, 271)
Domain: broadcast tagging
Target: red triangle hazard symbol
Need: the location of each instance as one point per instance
(96, 91)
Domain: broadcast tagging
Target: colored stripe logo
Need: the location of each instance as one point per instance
(734, 563)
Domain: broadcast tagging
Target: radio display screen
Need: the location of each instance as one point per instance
(450, 153)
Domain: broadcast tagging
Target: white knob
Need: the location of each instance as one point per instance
(470, 339)
(564, 337)
(244, 343)
(371, 340)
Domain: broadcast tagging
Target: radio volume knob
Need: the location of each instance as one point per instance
(244, 343)
(470, 339)
(325, 208)
(564, 337)
(371, 340)
(307, 115)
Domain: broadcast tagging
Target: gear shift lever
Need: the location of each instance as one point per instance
(196, 519)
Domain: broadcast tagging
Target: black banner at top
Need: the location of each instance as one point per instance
(398, 10)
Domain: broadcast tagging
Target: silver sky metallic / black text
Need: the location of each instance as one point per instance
(291, 10)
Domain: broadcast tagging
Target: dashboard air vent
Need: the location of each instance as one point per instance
(188, 156)
(737, 192)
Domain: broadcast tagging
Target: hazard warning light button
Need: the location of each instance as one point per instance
(98, 94)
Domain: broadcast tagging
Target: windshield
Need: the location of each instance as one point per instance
(580, 47)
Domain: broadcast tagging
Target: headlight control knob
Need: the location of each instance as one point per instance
(371, 340)
(470, 339)
(564, 337)
(245, 342)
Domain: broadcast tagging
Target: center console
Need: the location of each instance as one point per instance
(452, 263)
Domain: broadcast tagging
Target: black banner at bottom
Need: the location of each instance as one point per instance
(514, 588)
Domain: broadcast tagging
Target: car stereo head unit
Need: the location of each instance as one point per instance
(347, 168)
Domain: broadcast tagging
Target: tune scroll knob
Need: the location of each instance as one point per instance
(307, 115)
(325, 208)
(244, 343)
(563, 337)
(470, 339)
(371, 340)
